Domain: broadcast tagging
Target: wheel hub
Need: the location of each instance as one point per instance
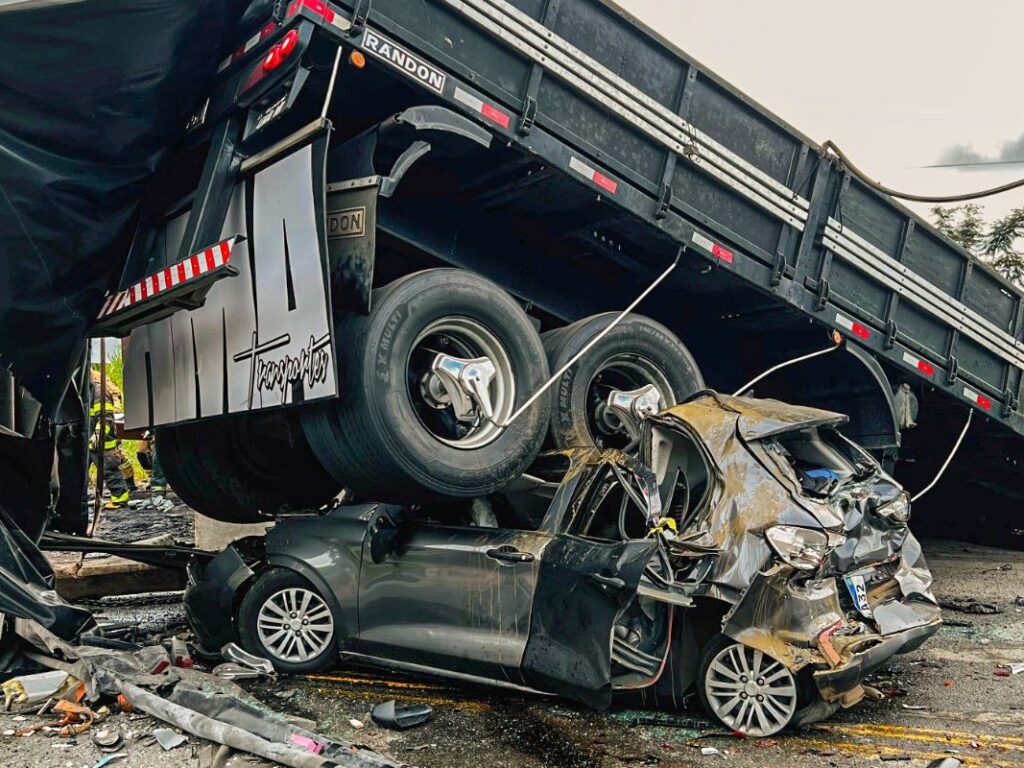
(295, 625)
(749, 691)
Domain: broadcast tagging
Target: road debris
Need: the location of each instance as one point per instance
(389, 714)
(108, 739)
(168, 739)
(30, 690)
(712, 752)
(193, 702)
(1008, 670)
(233, 653)
(968, 605)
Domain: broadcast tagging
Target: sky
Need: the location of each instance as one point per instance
(898, 84)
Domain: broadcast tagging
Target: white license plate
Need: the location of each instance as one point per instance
(858, 591)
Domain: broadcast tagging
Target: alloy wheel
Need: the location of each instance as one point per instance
(749, 691)
(295, 625)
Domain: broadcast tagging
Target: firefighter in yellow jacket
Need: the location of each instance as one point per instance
(106, 434)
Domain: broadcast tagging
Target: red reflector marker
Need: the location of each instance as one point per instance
(855, 328)
(492, 113)
(922, 365)
(722, 253)
(978, 399)
(593, 175)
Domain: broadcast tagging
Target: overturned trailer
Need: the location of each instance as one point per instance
(750, 553)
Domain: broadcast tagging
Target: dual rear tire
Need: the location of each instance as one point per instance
(403, 429)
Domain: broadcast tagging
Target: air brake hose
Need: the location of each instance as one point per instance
(829, 146)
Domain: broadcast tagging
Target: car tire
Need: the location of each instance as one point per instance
(386, 436)
(720, 688)
(637, 352)
(244, 469)
(265, 611)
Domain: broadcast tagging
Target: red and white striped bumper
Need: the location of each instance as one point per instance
(173, 276)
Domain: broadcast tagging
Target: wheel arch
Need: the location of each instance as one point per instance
(344, 629)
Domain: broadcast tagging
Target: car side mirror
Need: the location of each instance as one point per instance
(383, 536)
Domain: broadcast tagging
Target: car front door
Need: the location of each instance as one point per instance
(453, 597)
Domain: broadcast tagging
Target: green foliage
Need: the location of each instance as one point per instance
(999, 244)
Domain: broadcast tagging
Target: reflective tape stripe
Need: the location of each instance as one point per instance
(481, 107)
(712, 247)
(855, 328)
(592, 174)
(978, 399)
(922, 365)
(168, 277)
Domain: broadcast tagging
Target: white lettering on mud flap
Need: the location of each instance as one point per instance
(263, 337)
(405, 62)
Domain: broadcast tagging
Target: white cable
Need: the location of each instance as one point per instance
(956, 447)
(558, 374)
(787, 363)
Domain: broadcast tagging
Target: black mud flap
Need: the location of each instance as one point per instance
(583, 587)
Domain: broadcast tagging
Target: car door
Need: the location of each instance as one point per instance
(453, 597)
(582, 587)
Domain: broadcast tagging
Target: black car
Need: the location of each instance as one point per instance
(748, 552)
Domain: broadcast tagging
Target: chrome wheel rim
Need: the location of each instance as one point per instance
(623, 373)
(749, 691)
(295, 625)
(464, 338)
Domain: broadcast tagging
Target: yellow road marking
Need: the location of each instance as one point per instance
(354, 680)
(874, 750)
(932, 735)
(434, 701)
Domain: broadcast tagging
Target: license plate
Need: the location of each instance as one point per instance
(858, 591)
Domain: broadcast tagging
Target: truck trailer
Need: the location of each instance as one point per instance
(390, 223)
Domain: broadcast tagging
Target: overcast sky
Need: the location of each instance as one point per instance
(897, 83)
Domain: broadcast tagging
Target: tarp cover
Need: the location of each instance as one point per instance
(93, 95)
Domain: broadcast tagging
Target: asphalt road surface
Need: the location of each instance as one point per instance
(945, 700)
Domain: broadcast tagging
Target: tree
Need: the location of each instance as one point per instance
(1000, 244)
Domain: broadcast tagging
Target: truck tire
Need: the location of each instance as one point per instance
(244, 469)
(637, 352)
(390, 436)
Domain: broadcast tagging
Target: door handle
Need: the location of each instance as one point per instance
(611, 582)
(510, 555)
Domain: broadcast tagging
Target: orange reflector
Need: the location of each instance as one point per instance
(357, 60)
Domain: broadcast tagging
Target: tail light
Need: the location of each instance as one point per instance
(276, 55)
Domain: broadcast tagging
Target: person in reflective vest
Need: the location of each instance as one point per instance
(106, 434)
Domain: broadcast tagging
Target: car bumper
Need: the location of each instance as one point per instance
(839, 682)
(209, 599)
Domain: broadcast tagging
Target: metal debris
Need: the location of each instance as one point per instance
(168, 739)
(968, 605)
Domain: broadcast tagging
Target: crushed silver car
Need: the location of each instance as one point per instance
(746, 552)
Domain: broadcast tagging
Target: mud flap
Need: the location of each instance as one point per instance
(582, 589)
(263, 338)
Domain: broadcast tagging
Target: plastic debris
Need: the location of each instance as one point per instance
(1006, 670)
(180, 653)
(109, 759)
(33, 689)
(357, 724)
(945, 762)
(169, 739)
(389, 714)
(712, 751)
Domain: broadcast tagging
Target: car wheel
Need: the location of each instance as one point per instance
(636, 353)
(397, 433)
(245, 468)
(745, 689)
(284, 618)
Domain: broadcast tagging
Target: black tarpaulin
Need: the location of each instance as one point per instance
(93, 94)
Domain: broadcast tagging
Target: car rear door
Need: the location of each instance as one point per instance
(583, 585)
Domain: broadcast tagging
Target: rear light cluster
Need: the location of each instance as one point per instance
(316, 6)
(276, 55)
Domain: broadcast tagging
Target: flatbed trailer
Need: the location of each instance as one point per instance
(609, 151)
